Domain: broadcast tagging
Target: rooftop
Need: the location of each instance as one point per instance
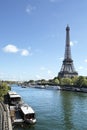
(27, 109)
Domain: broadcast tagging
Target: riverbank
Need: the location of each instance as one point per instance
(74, 89)
(5, 120)
(58, 87)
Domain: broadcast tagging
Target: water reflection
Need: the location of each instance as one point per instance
(73, 108)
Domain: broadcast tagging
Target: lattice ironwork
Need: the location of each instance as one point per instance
(67, 69)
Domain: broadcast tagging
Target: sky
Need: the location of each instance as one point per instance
(32, 37)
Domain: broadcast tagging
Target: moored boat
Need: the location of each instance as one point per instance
(14, 98)
(28, 114)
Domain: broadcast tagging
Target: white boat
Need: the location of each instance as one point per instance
(53, 87)
(28, 114)
(14, 98)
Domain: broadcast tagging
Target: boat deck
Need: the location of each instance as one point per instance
(15, 115)
(18, 121)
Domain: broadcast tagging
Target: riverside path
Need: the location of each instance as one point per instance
(5, 122)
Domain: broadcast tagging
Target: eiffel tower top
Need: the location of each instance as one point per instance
(67, 46)
(67, 69)
(67, 28)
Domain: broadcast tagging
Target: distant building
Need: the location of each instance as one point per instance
(67, 69)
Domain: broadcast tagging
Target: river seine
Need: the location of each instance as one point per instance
(55, 109)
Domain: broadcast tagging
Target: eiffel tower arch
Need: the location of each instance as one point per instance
(67, 69)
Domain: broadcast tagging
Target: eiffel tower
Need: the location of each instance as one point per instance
(67, 69)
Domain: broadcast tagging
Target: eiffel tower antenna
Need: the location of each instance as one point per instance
(67, 69)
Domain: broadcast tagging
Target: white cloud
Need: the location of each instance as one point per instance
(45, 73)
(10, 48)
(14, 49)
(38, 76)
(72, 43)
(24, 52)
(30, 8)
(49, 72)
(85, 60)
(80, 68)
(46, 70)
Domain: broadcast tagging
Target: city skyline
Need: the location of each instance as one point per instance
(32, 37)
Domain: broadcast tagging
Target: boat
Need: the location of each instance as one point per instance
(27, 114)
(17, 106)
(40, 86)
(23, 86)
(53, 87)
(13, 98)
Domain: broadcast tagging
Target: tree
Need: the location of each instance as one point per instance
(56, 81)
(81, 81)
(65, 81)
(3, 89)
(74, 80)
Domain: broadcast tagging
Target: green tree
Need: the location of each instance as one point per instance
(65, 81)
(74, 80)
(3, 89)
(81, 81)
(56, 80)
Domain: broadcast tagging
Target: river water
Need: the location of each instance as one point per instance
(55, 110)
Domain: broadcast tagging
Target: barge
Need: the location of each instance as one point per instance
(19, 111)
(28, 114)
(14, 98)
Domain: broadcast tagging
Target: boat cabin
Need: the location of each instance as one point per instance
(28, 114)
(13, 98)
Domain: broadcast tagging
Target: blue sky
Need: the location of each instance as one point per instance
(32, 37)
